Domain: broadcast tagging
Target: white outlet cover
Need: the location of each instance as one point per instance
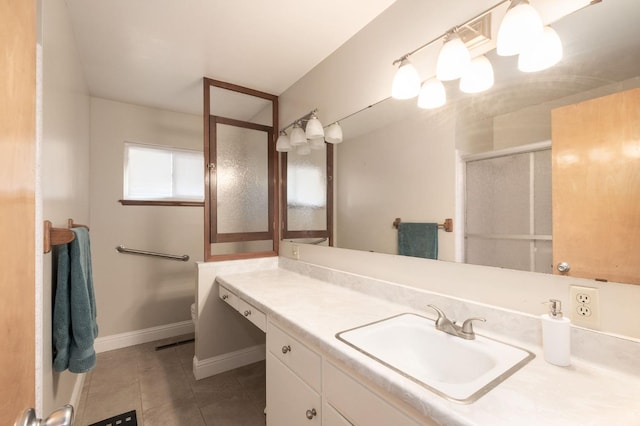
(590, 297)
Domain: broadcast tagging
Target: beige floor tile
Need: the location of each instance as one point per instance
(171, 414)
(100, 406)
(161, 386)
(237, 411)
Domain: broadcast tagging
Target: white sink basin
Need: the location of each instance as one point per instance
(457, 369)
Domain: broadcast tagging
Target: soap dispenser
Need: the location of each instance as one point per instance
(556, 335)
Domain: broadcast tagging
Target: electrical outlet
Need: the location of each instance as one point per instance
(294, 252)
(584, 306)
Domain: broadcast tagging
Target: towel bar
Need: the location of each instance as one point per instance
(123, 249)
(447, 225)
(56, 236)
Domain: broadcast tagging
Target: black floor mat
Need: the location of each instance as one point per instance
(124, 419)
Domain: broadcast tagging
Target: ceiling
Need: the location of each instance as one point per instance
(155, 52)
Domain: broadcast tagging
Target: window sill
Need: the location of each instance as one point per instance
(161, 203)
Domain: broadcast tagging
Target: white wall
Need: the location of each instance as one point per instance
(64, 170)
(369, 198)
(137, 292)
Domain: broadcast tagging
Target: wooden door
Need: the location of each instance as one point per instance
(17, 207)
(596, 187)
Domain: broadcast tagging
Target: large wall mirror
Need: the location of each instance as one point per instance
(399, 161)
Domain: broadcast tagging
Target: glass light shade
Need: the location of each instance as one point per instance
(520, 26)
(297, 136)
(317, 143)
(333, 133)
(303, 149)
(453, 59)
(542, 54)
(314, 128)
(432, 94)
(406, 82)
(478, 77)
(283, 144)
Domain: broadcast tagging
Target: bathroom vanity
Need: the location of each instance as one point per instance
(314, 377)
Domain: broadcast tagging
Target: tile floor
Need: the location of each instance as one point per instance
(160, 386)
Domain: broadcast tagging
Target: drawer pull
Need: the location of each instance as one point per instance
(286, 349)
(247, 313)
(225, 296)
(311, 413)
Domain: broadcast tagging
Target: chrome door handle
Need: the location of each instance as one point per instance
(563, 267)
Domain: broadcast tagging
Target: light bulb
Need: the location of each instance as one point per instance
(283, 144)
(543, 53)
(406, 82)
(432, 94)
(297, 135)
(519, 27)
(453, 58)
(333, 133)
(478, 77)
(314, 128)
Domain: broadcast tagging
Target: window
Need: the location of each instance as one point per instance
(153, 173)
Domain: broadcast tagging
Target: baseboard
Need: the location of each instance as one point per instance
(123, 340)
(221, 363)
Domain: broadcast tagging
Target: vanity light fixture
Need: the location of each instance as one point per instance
(314, 128)
(543, 53)
(317, 143)
(333, 133)
(283, 144)
(453, 59)
(303, 149)
(478, 77)
(432, 94)
(406, 82)
(519, 28)
(298, 136)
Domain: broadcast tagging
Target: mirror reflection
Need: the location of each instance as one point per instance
(401, 161)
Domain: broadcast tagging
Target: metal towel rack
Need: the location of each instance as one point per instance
(447, 225)
(123, 249)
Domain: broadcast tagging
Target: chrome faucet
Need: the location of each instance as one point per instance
(445, 324)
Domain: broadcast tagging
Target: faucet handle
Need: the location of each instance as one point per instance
(467, 325)
(439, 311)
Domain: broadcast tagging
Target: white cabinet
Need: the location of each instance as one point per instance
(357, 404)
(294, 377)
(250, 312)
(331, 417)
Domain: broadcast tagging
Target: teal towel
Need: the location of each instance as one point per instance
(74, 310)
(418, 240)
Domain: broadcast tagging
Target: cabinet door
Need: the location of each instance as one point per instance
(290, 401)
(331, 417)
(596, 187)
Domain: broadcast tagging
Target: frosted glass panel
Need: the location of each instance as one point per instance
(498, 195)
(242, 180)
(307, 191)
(242, 247)
(511, 254)
(542, 193)
(543, 257)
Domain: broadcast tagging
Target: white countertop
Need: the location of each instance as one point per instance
(538, 394)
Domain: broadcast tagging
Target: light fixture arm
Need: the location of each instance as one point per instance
(300, 120)
(468, 21)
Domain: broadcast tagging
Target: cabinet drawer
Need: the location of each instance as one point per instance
(250, 312)
(299, 358)
(290, 401)
(357, 403)
(228, 297)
